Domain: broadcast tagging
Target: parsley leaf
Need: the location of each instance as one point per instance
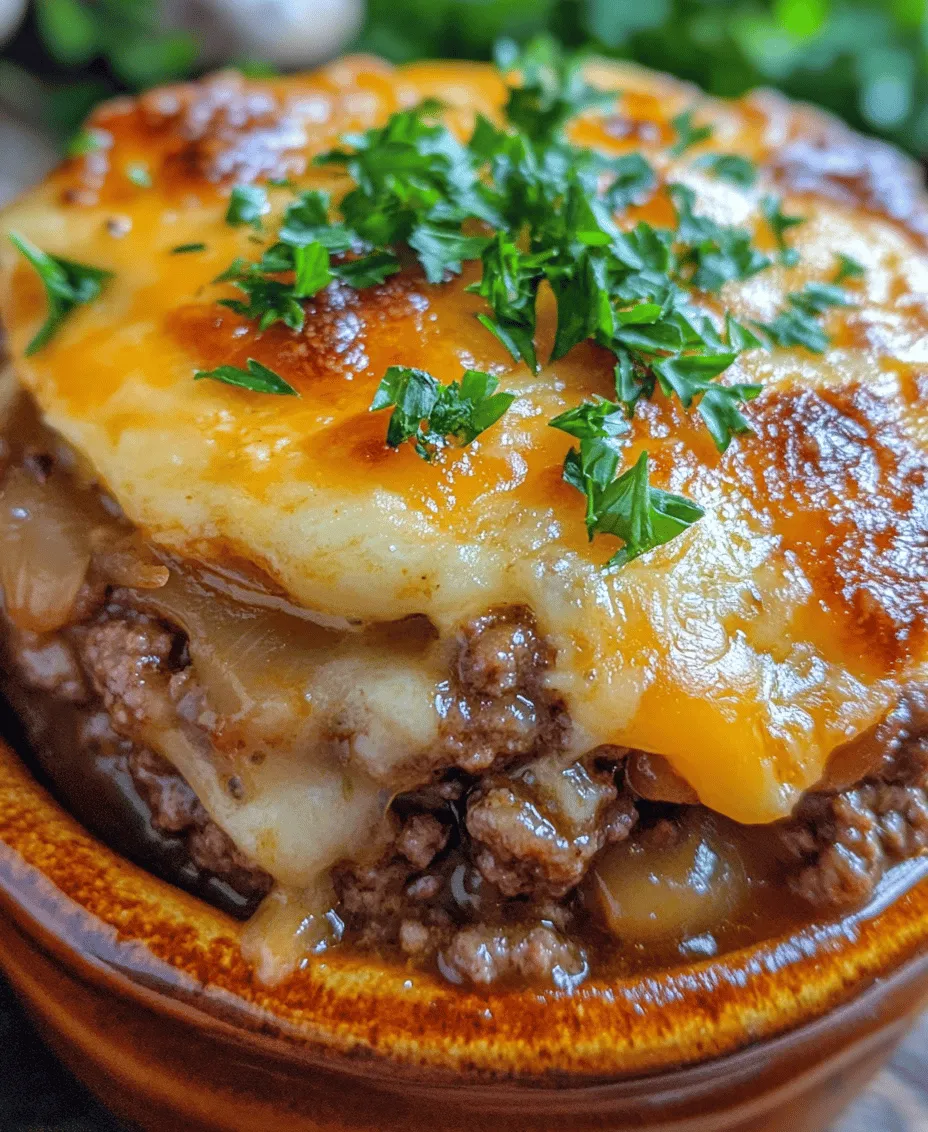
(691, 377)
(719, 408)
(848, 268)
(429, 413)
(184, 249)
(510, 285)
(311, 270)
(591, 419)
(366, 270)
(780, 223)
(688, 135)
(257, 378)
(798, 325)
(247, 204)
(67, 285)
(634, 179)
(552, 90)
(642, 516)
(717, 253)
(628, 507)
(816, 298)
(731, 167)
(269, 300)
(306, 221)
(410, 170)
(442, 249)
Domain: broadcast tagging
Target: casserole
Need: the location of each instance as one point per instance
(470, 527)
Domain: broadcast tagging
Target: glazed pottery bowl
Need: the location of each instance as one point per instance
(145, 994)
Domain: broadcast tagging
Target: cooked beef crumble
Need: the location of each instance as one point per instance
(495, 706)
(176, 809)
(539, 828)
(840, 844)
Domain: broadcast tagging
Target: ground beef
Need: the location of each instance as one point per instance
(481, 876)
(838, 845)
(127, 657)
(212, 849)
(174, 806)
(496, 707)
(485, 955)
(375, 900)
(539, 828)
(421, 839)
(175, 809)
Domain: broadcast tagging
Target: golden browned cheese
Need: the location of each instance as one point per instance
(745, 651)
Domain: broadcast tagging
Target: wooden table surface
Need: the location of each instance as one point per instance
(37, 1095)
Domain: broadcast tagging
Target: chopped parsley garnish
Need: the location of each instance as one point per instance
(798, 325)
(311, 270)
(848, 268)
(780, 224)
(633, 180)
(717, 253)
(428, 412)
(536, 211)
(139, 175)
(592, 419)
(641, 516)
(688, 135)
(67, 285)
(510, 284)
(184, 249)
(306, 242)
(731, 167)
(553, 89)
(257, 378)
(269, 300)
(247, 204)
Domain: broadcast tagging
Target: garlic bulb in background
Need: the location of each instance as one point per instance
(11, 16)
(26, 155)
(288, 33)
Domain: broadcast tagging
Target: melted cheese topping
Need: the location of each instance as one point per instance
(745, 651)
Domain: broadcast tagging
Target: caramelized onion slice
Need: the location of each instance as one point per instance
(44, 552)
(850, 763)
(652, 777)
(670, 882)
(126, 561)
(251, 661)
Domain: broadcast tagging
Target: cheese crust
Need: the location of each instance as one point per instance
(776, 629)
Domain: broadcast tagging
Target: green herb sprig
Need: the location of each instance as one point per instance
(688, 135)
(67, 285)
(257, 378)
(626, 506)
(429, 413)
(798, 324)
(731, 167)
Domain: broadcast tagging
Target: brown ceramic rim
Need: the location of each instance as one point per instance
(106, 919)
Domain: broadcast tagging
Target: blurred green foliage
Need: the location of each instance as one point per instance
(865, 59)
